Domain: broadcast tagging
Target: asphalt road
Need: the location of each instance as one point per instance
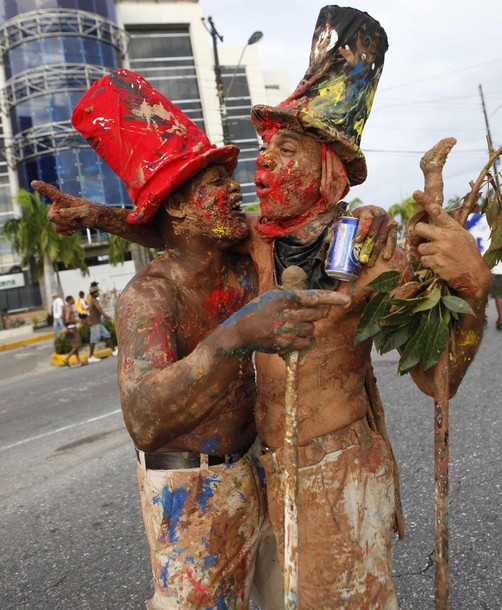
(71, 533)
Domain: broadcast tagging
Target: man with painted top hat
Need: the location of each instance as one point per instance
(348, 486)
(185, 374)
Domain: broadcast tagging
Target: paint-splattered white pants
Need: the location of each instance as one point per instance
(205, 529)
(346, 513)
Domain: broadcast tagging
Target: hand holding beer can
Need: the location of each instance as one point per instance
(342, 261)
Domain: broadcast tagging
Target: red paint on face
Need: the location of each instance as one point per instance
(216, 199)
(288, 176)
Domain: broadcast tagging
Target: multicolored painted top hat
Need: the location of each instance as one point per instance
(147, 140)
(334, 98)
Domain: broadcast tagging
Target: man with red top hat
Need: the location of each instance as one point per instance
(185, 373)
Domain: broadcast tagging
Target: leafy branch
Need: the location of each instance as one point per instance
(415, 317)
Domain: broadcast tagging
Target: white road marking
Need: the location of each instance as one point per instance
(63, 429)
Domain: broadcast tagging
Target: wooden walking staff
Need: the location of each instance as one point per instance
(431, 165)
(293, 278)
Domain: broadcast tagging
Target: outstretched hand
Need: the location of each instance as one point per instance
(377, 232)
(67, 213)
(281, 321)
(450, 251)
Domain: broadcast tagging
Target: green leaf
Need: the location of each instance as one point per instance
(437, 342)
(400, 302)
(431, 300)
(378, 340)
(446, 315)
(394, 339)
(492, 257)
(457, 304)
(397, 318)
(368, 324)
(385, 282)
(414, 348)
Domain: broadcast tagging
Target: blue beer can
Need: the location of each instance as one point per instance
(342, 261)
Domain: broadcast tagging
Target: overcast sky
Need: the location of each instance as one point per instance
(440, 51)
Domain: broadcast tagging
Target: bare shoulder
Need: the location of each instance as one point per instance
(150, 294)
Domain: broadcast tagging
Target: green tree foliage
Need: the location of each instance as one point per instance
(33, 238)
(402, 212)
(490, 205)
(118, 248)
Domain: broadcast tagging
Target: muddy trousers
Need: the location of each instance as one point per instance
(205, 529)
(346, 513)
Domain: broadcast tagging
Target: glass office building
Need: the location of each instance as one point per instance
(51, 51)
(50, 57)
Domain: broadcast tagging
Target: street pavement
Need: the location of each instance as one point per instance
(71, 534)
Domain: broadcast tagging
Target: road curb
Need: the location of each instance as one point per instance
(26, 341)
(58, 359)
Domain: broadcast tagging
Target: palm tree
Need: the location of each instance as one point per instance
(405, 211)
(34, 240)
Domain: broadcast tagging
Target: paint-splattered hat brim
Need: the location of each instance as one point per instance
(269, 117)
(165, 182)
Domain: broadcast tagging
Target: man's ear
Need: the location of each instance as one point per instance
(174, 206)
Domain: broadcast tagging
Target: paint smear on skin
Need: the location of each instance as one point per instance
(211, 444)
(468, 338)
(161, 344)
(173, 503)
(221, 231)
(246, 283)
(221, 303)
(247, 309)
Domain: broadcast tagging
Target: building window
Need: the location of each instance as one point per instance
(165, 59)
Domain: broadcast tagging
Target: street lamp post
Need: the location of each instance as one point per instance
(219, 81)
(255, 37)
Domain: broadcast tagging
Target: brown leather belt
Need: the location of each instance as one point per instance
(178, 460)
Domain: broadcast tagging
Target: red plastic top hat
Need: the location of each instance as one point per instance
(334, 98)
(147, 140)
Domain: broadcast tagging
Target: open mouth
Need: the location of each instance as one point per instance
(236, 206)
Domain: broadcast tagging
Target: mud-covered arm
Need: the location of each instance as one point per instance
(69, 214)
(451, 252)
(164, 395)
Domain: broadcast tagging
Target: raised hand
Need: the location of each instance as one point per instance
(67, 213)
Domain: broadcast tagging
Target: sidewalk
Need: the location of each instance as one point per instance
(23, 335)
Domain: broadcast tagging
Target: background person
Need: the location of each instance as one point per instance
(98, 331)
(82, 306)
(57, 314)
(70, 316)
